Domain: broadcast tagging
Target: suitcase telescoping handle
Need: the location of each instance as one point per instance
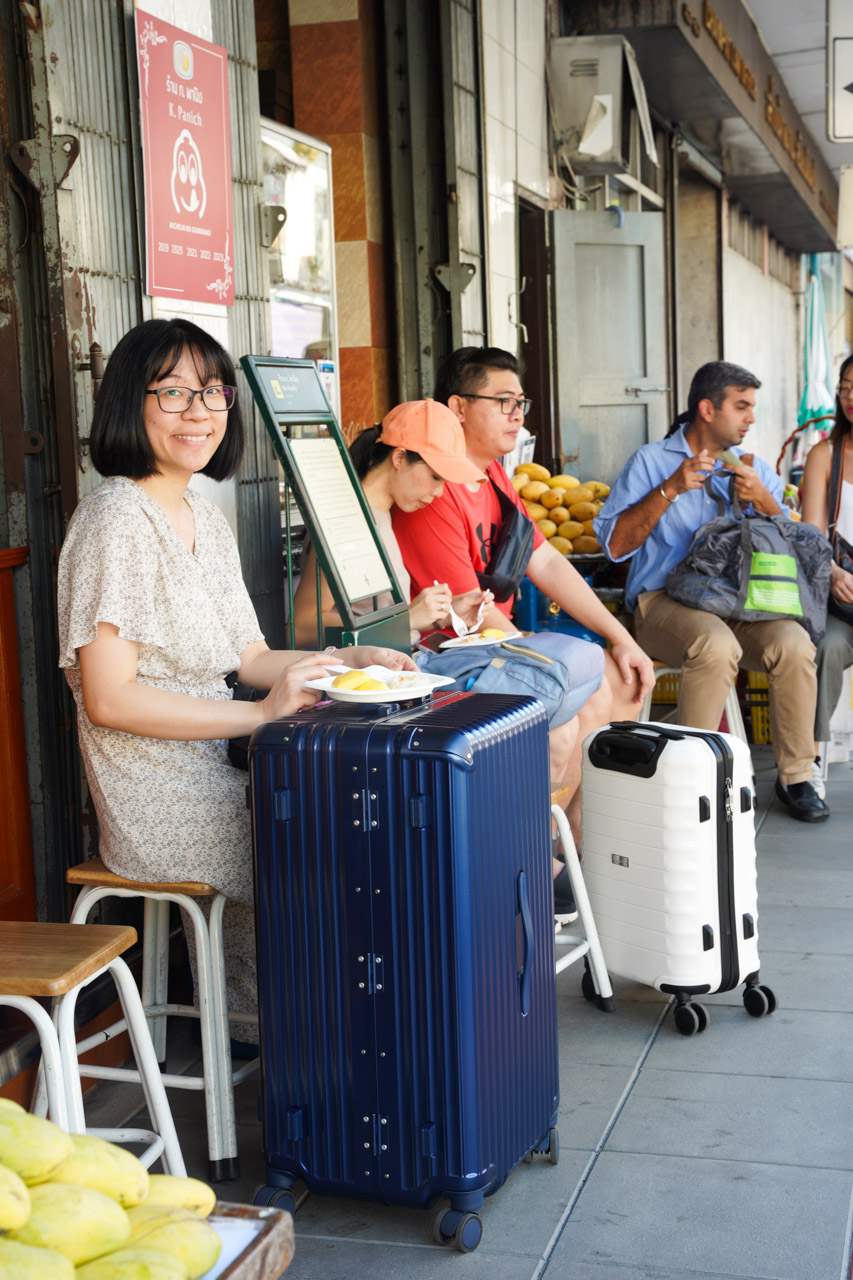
(625, 749)
(528, 945)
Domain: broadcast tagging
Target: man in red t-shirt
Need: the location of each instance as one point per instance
(451, 541)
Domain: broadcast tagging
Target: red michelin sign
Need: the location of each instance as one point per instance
(186, 149)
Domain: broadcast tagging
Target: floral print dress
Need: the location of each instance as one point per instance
(167, 810)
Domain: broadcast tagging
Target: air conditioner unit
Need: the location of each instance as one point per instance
(595, 81)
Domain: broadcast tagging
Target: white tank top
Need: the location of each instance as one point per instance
(845, 510)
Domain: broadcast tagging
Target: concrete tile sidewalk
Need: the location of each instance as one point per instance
(726, 1155)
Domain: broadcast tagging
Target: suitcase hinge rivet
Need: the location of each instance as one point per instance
(367, 1148)
(386, 1175)
(384, 1120)
(366, 1119)
(374, 824)
(384, 1147)
(361, 959)
(379, 986)
(377, 890)
(361, 986)
(356, 823)
(373, 795)
(363, 1052)
(358, 888)
(355, 795)
(382, 1055)
(355, 768)
(379, 961)
(373, 770)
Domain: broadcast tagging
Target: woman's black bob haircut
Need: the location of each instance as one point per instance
(118, 442)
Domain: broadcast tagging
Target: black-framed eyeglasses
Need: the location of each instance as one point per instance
(179, 399)
(508, 404)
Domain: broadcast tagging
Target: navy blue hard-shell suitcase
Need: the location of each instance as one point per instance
(405, 951)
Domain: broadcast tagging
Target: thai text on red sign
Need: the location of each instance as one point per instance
(186, 149)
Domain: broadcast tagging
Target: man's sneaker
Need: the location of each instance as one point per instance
(565, 909)
(803, 801)
(817, 778)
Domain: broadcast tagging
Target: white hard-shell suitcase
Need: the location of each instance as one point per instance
(669, 862)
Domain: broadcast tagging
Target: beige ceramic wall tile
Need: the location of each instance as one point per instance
(372, 189)
(353, 291)
(302, 12)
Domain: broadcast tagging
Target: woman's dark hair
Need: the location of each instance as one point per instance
(118, 441)
(466, 369)
(842, 422)
(368, 452)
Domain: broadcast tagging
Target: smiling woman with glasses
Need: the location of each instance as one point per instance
(154, 615)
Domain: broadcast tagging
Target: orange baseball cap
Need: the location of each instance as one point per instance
(429, 428)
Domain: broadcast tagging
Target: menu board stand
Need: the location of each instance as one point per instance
(320, 475)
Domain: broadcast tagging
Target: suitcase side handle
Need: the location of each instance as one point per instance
(528, 945)
(623, 749)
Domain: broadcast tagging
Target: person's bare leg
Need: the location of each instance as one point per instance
(562, 750)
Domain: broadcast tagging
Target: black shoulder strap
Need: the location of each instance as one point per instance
(835, 486)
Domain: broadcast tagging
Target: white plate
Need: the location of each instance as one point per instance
(476, 641)
(407, 684)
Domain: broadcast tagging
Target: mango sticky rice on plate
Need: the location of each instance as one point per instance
(489, 635)
(376, 684)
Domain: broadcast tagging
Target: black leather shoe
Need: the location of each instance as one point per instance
(803, 801)
(564, 902)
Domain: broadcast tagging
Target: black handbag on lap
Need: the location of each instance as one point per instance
(511, 551)
(842, 552)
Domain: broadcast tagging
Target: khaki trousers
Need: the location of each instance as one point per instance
(710, 650)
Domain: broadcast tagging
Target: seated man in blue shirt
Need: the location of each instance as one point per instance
(656, 506)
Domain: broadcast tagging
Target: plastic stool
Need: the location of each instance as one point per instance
(596, 980)
(734, 719)
(217, 1078)
(58, 960)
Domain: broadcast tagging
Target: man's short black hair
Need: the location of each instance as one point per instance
(466, 369)
(118, 441)
(712, 382)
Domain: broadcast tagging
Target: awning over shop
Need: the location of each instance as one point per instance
(707, 71)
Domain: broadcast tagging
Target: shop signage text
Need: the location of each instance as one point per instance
(728, 49)
(186, 151)
(790, 140)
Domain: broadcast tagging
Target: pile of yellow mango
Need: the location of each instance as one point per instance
(562, 506)
(74, 1207)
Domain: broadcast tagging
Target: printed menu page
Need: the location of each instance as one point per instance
(350, 540)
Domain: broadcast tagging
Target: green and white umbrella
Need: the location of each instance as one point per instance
(817, 398)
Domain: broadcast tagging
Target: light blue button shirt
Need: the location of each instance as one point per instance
(669, 541)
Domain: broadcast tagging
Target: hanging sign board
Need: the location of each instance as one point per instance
(186, 153)
(839, 57)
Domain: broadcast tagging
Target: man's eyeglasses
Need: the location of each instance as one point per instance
(508, 404)
(845, 389)
(179, 399)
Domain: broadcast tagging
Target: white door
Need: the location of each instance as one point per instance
(610, 347)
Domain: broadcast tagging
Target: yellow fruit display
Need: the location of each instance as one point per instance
(177, 1232)
(534, 470)
(580, 494)
(533, 491)
(584, 545)
(582, 511)
(76, 1221)
(14, 1200)
(570, 529)
(598, 487)
(519, 481)
(547, 528)
(134, 1264)
(536, 511)
(561, 544)
(559, 514)
(104, 1167)
(22, 1262)
(31, 1147)
(183, 1193)
(564, 482)
(10, 1105)
(552, 497)
(588, 529)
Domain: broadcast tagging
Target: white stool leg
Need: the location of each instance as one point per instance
(149, 1070)
(222, 1039)
(734, 719)
(51, 1074)
(63, 1014)
(155, 965)
(598, 968)
(216, 1087)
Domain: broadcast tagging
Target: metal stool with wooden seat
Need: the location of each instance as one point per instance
(217, 1078)
(734, 719)
(596, 980)
(58, 960)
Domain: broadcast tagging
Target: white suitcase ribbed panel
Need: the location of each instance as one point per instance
(651, 866)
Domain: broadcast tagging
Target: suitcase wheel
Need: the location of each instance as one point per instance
(758, 1001)
(274, 1198)
(548, 1147)
(463, 1230)
(690, 1019)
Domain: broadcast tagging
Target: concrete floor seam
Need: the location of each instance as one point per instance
(548, 1251)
